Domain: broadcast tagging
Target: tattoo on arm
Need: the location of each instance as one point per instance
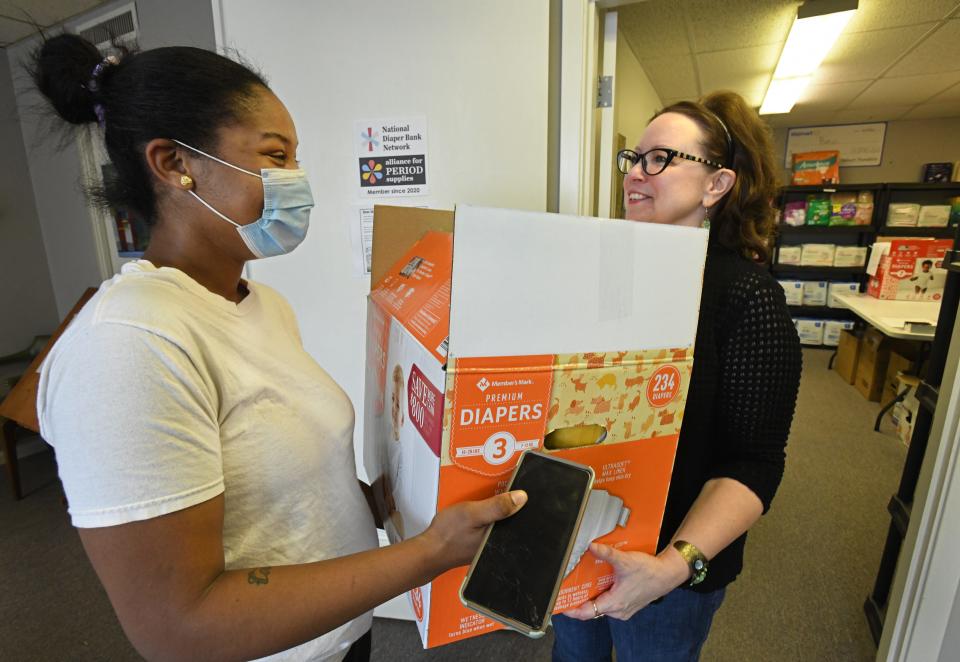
(259, 576)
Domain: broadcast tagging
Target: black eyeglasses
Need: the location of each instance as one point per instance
(654, 161)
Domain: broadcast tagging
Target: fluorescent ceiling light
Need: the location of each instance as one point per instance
(817, 27)
(783, 94)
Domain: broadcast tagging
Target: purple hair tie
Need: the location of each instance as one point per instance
(93, 85)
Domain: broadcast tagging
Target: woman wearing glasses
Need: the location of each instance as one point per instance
(704, 164)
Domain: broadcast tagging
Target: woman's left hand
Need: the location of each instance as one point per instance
(639, 579)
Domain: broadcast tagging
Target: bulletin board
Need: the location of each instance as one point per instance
(858, 144)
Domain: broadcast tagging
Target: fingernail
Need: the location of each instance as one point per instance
(519, 497)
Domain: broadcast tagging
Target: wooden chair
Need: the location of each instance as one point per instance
(19, 408)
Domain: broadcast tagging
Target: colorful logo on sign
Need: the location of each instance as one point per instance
(371, 172)
(370, 138)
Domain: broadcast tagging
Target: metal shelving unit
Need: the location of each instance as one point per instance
(853, 235)
(817, 273)
(831, 231)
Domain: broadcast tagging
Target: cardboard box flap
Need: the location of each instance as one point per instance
(416, 291)
(534, 283)
(396, 229)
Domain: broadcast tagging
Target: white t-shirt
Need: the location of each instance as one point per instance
(162, 395)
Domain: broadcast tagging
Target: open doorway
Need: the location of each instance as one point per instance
(663, 51)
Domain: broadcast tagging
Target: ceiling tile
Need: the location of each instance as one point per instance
(950, 94)
(45, 12)
(934, 110)
(938, 52)
(721, 26)
(905, 91)
(872, 114)
(801, 118)
(11, 31)
(832, 96)
(754, 95)
(734, 49)
(672, 76)
(654, 29)
(880, 14)
(743, 70)
(864, 55)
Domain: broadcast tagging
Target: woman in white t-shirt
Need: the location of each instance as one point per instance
(207, 459)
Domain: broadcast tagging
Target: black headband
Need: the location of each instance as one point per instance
(726, 131)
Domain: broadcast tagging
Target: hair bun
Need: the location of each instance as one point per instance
(63, 66)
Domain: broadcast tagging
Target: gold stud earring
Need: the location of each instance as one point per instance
(186, 181)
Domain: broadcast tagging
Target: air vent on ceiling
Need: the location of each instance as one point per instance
(119, 27)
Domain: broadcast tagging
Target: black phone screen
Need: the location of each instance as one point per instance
(517, 570)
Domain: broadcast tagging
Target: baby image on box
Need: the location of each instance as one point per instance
(927, 280)
(393, 522)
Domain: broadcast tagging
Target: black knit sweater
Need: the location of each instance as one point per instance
(743, 392)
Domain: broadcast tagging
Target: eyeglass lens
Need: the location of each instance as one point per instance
(653, 162)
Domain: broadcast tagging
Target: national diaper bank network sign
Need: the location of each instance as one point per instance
(391, 157)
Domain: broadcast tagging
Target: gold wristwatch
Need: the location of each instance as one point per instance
(695, 559)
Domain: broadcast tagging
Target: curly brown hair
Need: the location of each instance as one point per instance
(743, 220)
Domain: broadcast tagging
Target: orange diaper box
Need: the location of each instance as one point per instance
(909, 268)
(493, 331)
(816, 168)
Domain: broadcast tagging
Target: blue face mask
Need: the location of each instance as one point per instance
(287, 202)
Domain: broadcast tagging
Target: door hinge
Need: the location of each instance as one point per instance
(605, 92)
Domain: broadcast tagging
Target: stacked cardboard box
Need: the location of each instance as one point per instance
(848, 355)
(897, 364)
(874, 360)
(904, 413)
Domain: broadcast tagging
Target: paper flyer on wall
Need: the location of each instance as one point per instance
(361, 238)
(360, 222)
(391, 157)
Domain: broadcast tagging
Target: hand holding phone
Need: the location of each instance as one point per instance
(516, 575)
(456, 532)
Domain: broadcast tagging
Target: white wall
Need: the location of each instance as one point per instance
(951, 639)
(26, 295)
(55, 172)
(478, 71)
(175, 23)
(636, 100)
(907, 146)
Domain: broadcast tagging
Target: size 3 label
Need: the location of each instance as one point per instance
(499, 411)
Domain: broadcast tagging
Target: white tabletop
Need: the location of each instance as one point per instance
(910, 320)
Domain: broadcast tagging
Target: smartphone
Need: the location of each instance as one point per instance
(515, 576)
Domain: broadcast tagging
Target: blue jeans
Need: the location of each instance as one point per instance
(674, 630)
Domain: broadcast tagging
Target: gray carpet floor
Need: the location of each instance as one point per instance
(810, 562)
